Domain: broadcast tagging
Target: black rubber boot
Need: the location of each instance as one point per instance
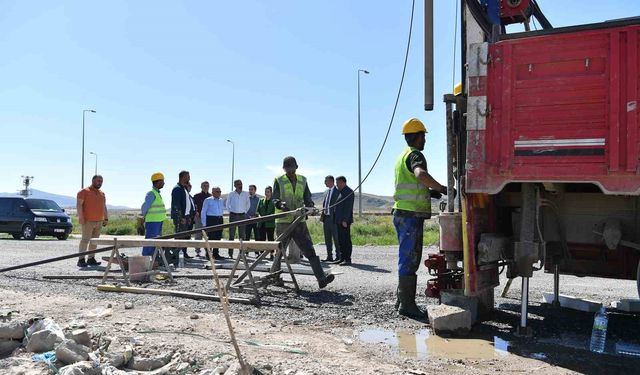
(407, 298)
(323, 279)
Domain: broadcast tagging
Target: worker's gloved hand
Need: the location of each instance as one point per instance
(435, 194)
(282, 206)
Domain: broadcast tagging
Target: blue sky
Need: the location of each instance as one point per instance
(171, 81)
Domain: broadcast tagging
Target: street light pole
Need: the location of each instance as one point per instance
(95, 171)
(233, 160)
(82, 173)
(359, 150)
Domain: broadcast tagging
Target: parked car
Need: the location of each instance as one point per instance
(26, 218)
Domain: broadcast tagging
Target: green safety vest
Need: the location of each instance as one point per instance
(157, 213)
(293, 198)
(410, 194)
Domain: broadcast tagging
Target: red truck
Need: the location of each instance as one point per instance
(543, 144)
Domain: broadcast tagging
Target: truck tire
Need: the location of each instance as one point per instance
(62, 237)
(28, 233)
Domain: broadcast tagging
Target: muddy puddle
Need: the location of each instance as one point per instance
(423, 344)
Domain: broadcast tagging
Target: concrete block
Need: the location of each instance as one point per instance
(81, 336)
(574, 303)
(454, 298)
(628, 305)
(449, 319)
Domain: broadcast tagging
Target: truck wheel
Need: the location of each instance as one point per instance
(62, 237)
(28, 233)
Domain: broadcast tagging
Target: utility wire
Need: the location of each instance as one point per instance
(393, 114)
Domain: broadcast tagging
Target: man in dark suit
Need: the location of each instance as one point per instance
(182, 212)
(344, 219)
(327, 218)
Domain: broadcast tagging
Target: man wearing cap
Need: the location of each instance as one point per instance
(153, 211)
(412, 205)
(290, 192)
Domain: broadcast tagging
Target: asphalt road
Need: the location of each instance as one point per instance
(363, 295)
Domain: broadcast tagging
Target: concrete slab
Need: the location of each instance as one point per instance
(574, 303)
(455, 298)
(628, 305)
(449, 319)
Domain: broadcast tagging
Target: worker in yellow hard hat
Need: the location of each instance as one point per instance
(153, 211)
(412, 196)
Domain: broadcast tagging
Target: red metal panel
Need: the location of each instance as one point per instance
(614, 105)
(630, 107)
(563, 108)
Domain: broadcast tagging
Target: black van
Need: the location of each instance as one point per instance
(26, 218)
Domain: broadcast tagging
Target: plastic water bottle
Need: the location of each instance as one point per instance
(599, 332)
(180, 262)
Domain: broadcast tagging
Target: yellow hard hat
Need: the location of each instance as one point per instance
(413, 125)
(157, 176)
(457, 89)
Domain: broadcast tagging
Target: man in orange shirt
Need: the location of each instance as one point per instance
(92, 215)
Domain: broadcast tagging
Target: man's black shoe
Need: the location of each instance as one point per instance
(81, 263)
(345, 263)
(92, 262)
(338, 261)
(329, 259)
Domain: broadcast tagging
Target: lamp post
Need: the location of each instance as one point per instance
(82, 173)
(95, 171)
(359, 149)
(233, 160)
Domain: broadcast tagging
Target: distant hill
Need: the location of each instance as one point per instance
(62, 200)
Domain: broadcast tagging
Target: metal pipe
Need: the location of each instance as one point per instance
(428, 55)
(450, 152)
(524, 302)
(556, 285)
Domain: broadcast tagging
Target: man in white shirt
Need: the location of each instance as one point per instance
(212, 211)
(238, 204)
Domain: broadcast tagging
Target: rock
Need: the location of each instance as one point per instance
(449, 319)
(183, 366)
(148, 364)
(70, 352)
(128, 305)
(80, 368)
(82, 337)
(43, 341)
(208, 372)
(120, 358)
(194, 316)
(11, 331)
(109, 306)
(8, 346)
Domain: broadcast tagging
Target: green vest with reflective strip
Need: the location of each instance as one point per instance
(157, 213)
(293, 198)
(410, 194)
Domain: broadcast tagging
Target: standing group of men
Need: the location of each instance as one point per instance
(337, 217)
(205, 209)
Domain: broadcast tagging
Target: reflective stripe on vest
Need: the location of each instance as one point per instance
(293, 198)
(410, 194)
(157, 212)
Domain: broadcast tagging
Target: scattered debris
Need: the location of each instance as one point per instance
(69, 352)
(128, 305)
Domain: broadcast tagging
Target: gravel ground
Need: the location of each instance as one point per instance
(350, 327)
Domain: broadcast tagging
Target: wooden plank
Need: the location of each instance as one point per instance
(246, 245)
(171, 293)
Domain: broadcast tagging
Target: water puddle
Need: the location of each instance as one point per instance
(423, 344)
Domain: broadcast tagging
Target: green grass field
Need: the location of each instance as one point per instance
(370, 230)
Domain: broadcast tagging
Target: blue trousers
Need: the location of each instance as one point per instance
(410, 235)
(151, 230)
